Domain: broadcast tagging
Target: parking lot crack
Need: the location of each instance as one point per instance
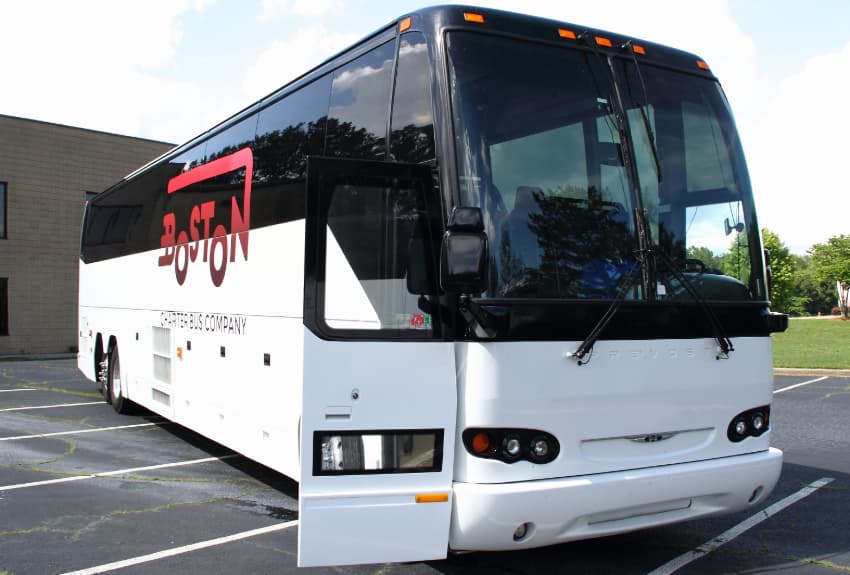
(78, 533)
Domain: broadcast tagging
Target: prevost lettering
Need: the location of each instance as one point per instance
(202, 236)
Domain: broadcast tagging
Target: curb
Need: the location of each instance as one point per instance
(38, 356)
(811, 371)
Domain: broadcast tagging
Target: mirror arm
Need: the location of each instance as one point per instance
(476, 318)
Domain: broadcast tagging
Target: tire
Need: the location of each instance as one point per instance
(114, 393)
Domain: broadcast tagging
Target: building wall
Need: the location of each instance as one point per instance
(48, 169)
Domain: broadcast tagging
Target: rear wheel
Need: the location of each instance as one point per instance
(115, 388)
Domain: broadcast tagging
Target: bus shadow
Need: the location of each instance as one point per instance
(256, 471)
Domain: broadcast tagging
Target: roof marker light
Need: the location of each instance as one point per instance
(702, 65)
(604, 42)
(404, 25)
(564, 33)
(638, 49)
(473, 17)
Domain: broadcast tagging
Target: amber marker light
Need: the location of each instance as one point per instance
(432, 497)
(702, 65)
(473, 17)
(481, 442)
(638, 49)
(404, 25)
(568, 34)
(604, 42)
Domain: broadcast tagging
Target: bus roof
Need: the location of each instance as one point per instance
(434, 21)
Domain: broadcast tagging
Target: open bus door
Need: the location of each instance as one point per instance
(379, 395)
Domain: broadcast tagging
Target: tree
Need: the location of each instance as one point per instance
(782, 272)
(831, 263)
(811, 297)
(713, 263)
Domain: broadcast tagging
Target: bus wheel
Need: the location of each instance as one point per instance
(115, 394)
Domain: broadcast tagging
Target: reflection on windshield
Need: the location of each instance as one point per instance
(540, 154)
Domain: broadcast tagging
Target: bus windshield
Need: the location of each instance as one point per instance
(540, 150)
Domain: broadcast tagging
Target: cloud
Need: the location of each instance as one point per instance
(799, 155)
(271, 9)
(285, 60)
(92, 64)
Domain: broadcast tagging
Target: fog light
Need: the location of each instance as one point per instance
(539, 448)
(512, 446)
(758, 422)
(521, 532)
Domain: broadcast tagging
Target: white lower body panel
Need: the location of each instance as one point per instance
(486, 516)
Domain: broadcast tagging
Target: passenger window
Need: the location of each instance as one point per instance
(360, 97)
(232, 139)
(412, 126)
(287, 132)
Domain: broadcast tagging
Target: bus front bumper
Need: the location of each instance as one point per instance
(537, 513)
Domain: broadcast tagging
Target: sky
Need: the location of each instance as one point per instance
(169, 69)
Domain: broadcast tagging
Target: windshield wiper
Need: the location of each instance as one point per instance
(642, 106)
(626, 285)
(724, 344)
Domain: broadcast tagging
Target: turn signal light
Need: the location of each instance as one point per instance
(511, 445)
(481, 443)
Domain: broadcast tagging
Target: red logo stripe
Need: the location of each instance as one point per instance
(241, 159)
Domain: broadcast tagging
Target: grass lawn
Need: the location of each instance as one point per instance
(813, 343)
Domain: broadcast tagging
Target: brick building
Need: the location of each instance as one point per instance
(47, 171)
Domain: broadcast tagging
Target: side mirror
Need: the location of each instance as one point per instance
(463, 257)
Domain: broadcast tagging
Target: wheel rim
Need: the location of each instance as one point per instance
(115, 381)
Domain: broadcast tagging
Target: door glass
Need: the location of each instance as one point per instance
(378, 259)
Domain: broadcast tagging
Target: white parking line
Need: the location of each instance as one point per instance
(52, 406)
(730, 534)
(800, 384)
(94, 430)
(184, 549)
(23, 389)
(117, 472)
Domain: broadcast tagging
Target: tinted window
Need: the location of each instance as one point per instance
(360, 96)
(232, 139)
(288, 131)
(412, 135)
(539, 153)
(124, 220)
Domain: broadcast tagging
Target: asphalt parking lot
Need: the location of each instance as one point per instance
(85, 490)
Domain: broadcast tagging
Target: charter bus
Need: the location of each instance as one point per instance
(456, 282)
